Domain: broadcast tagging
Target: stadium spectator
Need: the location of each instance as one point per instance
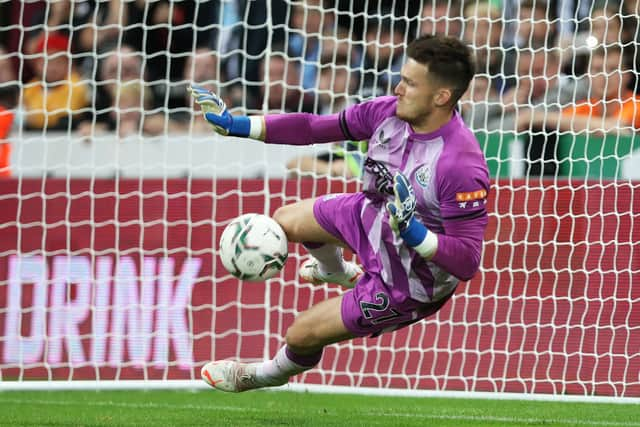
(53, 17)
(228, 40)
(383, 55)
(540, 84)
(8, 81)
(336, 83)
(612, 24)
(310, 25)
(6, 123)
(416, 235)
(102, 26)
(477, 100)
(156, 28)
(611, 107)
(483, 31)
(201, 68)
(540, 87)
(105, 24)
(281, 89)
(438, 17)
(261, 23)
(89, 25)
(119, 65)
(631, 25)
(55, 98)
(536, 27)
(510, 10)
(121, 70)
(6, 21)
(335, 86)
(607, 25)
(131, 102)
(166, 32)
(8, 101)
(339, 50)
(571, 14)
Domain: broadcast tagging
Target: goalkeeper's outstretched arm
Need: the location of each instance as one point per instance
(286, 128)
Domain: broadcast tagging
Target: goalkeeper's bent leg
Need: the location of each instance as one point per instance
(312, 330)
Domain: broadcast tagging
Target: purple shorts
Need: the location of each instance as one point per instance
(371, 307)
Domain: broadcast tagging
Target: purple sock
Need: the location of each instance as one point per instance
(312, 245)
(284, 365)
(307, 360)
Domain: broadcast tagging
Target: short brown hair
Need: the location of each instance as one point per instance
(449, 61)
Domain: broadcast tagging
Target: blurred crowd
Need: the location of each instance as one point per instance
(88, 67)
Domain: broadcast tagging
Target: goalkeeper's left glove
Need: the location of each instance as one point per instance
(403, 221)
(216, 113)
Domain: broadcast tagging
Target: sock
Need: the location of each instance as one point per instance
(329, 257)
(284, 365)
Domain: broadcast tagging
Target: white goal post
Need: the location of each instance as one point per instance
(114, 193)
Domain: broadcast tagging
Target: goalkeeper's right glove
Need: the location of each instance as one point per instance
(403, 220)
(215, 112)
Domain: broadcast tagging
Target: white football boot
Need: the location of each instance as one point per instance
(310, 272)
(233, 377)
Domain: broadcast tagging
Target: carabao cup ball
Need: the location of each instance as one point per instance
(253, 247)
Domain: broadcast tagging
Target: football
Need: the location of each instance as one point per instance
(253, 247)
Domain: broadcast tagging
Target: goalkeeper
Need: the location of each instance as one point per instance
(417, 226)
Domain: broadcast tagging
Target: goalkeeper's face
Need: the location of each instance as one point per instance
(416, 93)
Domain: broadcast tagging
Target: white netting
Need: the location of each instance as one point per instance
(114, 192)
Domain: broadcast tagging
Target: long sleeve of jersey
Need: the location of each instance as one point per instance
(463, 184)
(356, 123)
(460, 247)
(302, 129)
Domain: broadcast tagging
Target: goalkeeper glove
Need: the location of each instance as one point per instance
(215, 112)
(403, 221)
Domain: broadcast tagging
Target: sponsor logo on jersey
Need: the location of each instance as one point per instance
(471, 196)
(475, 204)
(381, 138)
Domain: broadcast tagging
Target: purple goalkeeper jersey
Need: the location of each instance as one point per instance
(446, 169)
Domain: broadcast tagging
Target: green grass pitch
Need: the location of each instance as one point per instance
(281, 408)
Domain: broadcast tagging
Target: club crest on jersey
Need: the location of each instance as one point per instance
(423, 175)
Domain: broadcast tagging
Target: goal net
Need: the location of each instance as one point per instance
(114, 191)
